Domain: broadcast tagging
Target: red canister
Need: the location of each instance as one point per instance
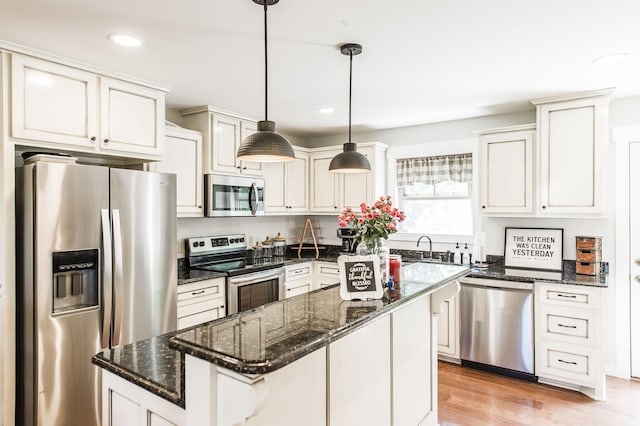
(395, 267)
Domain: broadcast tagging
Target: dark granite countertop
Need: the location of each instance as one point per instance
(328, 254)
(273, 335)
(150, 364)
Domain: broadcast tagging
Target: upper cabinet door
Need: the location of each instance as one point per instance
(573, 135)
(183, 156)
(249, 167)
(298, 182)
(324, 184)
(225, 140)
(52, 102)
(506, 185)
(131, 118)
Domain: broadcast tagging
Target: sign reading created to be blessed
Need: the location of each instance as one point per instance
(360, 277)
(533, 248)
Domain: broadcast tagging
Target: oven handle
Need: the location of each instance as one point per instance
(257, 276)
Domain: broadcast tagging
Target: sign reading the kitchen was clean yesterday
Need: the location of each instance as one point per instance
(360, 277)
(533, 248)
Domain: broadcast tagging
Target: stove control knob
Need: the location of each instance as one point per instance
(242, 240)
(201, 244)
(195, 244)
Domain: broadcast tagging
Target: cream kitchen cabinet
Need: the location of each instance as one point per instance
(287, 184)
(572, 136)
(200, 302)
(332, 192)
(222, 135)
(449, 330)
(67, 108)
(553, 169)
(507, 175)
(326, 273)
(298, 279)
(183, 156)
(569, 337)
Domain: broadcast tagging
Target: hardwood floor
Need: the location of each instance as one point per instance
(471, 397)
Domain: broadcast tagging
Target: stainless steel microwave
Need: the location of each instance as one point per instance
(233, 196)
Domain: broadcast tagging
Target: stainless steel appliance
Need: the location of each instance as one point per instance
(347, 235)
(96, 269)
(496, 326)
(234, 196)
(248, 285)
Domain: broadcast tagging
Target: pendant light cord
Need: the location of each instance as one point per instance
(266, 87)
(350, 78)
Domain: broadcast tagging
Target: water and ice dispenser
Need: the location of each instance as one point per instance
(75, 283)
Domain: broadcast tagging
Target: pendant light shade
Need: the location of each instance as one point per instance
(265, 146)
(350, 160)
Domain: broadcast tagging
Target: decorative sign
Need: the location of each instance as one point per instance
(533, 248)
(360, 277)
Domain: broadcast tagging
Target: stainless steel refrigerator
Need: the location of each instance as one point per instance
(96, 269)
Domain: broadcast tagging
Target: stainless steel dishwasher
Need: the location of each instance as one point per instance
(496, 326)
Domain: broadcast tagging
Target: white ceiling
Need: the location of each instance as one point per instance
(423, 60)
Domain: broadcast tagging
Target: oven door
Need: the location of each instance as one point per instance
(234, 196)
(248, 291)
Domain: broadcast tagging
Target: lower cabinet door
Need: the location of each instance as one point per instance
(359, 368)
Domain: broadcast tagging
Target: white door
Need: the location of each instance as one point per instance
(634, 254)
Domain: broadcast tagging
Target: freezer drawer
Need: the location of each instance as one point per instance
(496, 327)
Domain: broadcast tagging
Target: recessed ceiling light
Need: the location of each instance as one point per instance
(125, 40)
(325, 110)
(610, 59)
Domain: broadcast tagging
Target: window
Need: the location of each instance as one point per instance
(436, 195)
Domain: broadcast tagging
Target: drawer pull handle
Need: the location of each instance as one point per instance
(567, 326)
(569, 296)
(193, 293)
(568, 362)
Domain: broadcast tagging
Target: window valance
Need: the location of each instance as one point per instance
(432, 170)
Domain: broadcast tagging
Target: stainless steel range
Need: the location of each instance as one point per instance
(248, 285)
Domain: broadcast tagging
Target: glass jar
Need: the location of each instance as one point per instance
(267, 250)
(380, 247)
(279, 246)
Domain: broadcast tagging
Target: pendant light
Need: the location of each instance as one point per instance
(350, 160)
(265, 146)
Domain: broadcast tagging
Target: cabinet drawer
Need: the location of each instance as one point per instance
(186, 309)
(297, 288)
(571, 363)
(298, 271)
(199, 289)
(328, 269)
(568, 325)
(560, 325)
(571, 296)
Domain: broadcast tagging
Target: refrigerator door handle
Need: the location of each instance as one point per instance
(107, 278)
(118, 271)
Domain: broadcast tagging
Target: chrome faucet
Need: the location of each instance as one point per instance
(430, 246)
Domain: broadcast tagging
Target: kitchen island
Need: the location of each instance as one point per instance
(309, 359)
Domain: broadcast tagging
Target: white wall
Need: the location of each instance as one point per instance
(445, 131)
